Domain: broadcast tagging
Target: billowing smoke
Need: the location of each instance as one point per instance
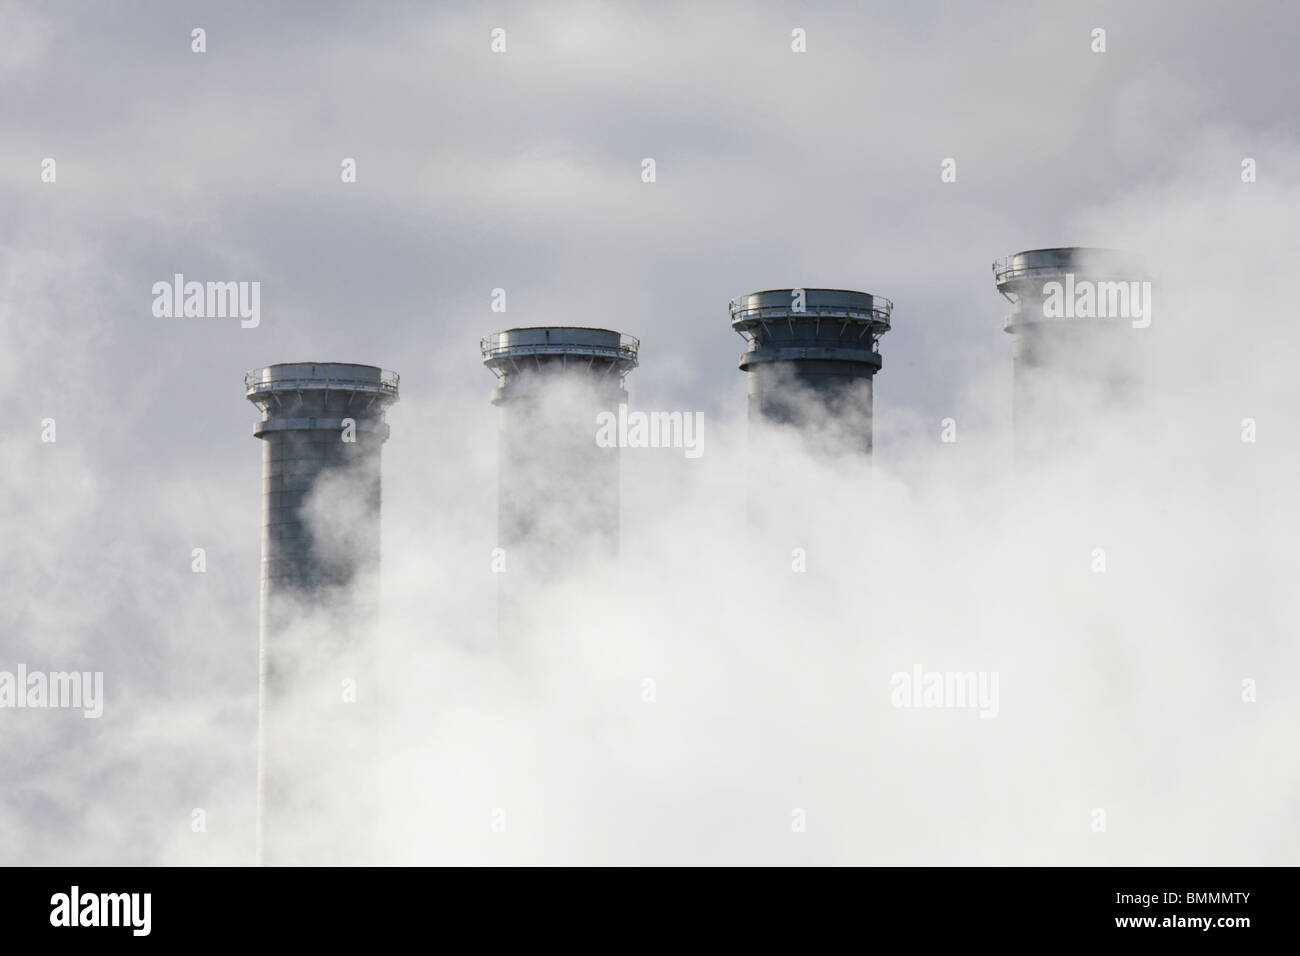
(951, 653)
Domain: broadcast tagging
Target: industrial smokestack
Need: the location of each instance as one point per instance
(558, 489)
(323, 431)
(1078, 349)
(811, 358)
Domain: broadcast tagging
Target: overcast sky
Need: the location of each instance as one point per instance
(522, 170)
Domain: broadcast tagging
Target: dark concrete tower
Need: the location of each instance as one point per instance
(811, 358)
(558, 489)
(322, 433)
(1078, 324)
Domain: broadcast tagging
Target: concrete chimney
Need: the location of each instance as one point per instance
(322, 432)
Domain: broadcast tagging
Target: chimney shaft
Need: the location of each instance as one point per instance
(811, 358)
(322, 433)
(1076, 317)
(558, 490)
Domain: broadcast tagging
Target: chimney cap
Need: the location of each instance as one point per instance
(1095, 262)
(319, 376)
(754, 309)
(560, 340)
